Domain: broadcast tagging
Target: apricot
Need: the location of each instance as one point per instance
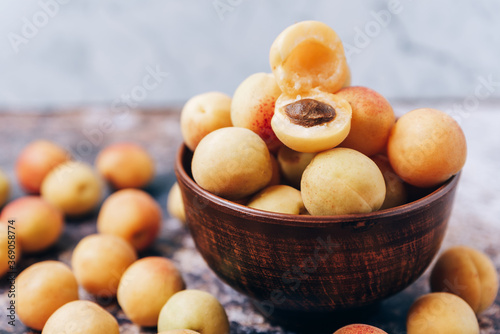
(312, 122)
(308, 55)
(41, 289)
(179, 331)
(81, 317)
(347, 81)
(468, 273)
(99, 261)
(4, 188)
(443, 313)
(146, 286)
(175, 203)
(342, 181)
(10, 249)
(38, 224)
(396, 193)
(292, 164)
(276, 174)
(372, 120)
(203, 114)
(196, 310)
(35, 161)
(232, 163)
(253, 106)
(426, 147)
(280, 199)
(131, 214)
(74, 187)
(359, 329)
(126, 165)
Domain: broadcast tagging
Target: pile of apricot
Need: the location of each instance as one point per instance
(302, 140)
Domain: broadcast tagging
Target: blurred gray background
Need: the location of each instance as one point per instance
(60, 53)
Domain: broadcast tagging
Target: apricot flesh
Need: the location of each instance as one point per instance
(441, 312)
(342, 181)
(280, 199)
(426, 147)
(312, 122)
(203, 114)
(232, 163)
(308, 55)
(468, 273)
(253, 104)
(372, 120)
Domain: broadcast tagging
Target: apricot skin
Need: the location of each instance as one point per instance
(426, 147)
(41, 289)
(175, 203)
(292, 164)
(359, 329)
(203, 114)
(468, 273)
(126, 165)
(342, 181)
(99, 261)
(133, 215)
(280, 199)
(232, 163)
(372, 120)
(396, 193)
(252, 107)
(443, 313)
(35, 161)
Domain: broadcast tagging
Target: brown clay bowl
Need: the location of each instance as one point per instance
(315, 263)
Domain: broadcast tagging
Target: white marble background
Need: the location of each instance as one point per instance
(59, 53)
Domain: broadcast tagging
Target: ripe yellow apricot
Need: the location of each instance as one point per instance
(312, 122)
(426, 147)
(308, 55)
(279, 198)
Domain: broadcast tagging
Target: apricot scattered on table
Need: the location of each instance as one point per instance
(74, 187)
(443, 313)
(203, 114)
(99, 261)
(36, 160)
(232, 163)
(41, 289)
(126, 165)
(131, 214)
(469, 274)
(146, 286)
(81, 317)
(38, 224)
(342, 181)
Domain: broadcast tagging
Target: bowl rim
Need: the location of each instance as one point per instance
(273, 218)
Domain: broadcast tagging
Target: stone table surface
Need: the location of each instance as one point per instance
(84, 131)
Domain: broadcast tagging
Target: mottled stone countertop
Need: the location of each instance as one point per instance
(475, 219)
